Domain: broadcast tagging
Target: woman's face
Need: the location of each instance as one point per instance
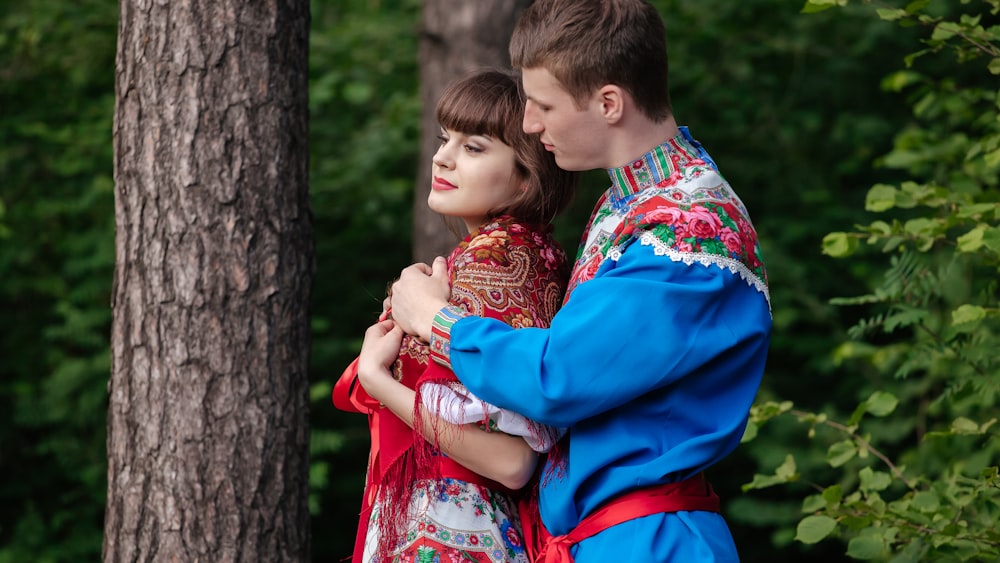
(472, 174)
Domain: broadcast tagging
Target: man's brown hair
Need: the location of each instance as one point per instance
(586, 44)
(490, 102)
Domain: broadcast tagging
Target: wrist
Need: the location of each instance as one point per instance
(440, 333)
(433, 308)
(371, 377)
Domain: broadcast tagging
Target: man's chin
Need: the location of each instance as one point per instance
(570, 165)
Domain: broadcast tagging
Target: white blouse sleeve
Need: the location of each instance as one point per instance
(455, 404)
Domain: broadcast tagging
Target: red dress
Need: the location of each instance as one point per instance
(419, 505)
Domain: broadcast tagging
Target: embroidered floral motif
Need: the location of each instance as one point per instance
(505, 271)
(488, 534)
(689, 215)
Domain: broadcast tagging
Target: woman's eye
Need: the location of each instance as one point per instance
(473, 148)
(442, 139)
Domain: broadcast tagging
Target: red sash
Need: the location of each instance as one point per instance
(694, 493)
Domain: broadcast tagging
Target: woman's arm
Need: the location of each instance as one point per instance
(505, 459)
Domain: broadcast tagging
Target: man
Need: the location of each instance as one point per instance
(657, 353)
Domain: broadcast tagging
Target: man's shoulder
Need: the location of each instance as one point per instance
(700, 221)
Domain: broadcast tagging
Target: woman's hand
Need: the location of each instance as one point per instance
(378, 352)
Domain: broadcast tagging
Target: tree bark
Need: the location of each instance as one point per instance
(208, 440)
(457, 36)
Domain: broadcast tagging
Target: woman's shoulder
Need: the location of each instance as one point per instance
(513, 231)
(497, 240)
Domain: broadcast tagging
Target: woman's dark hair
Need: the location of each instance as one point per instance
(490, 102)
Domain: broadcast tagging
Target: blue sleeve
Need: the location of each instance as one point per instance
(642, 323)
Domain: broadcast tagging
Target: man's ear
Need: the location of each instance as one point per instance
(612, 102)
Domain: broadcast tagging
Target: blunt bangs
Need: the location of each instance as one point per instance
(486, 103)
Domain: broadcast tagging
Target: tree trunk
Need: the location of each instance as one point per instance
(208, 440)
(457, 36)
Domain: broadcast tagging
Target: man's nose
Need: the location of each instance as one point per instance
(530, 123)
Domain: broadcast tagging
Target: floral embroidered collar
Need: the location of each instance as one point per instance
(656, 165)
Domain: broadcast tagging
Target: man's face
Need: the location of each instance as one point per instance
(577, 137)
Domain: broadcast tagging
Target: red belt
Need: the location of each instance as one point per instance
(694, 493)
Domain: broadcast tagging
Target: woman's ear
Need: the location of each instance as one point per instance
(611, 99)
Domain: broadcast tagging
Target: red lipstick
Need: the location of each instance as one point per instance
(442, 184)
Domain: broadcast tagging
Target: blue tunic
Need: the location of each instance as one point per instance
(652, 363)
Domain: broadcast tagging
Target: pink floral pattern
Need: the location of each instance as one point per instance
(709, 222)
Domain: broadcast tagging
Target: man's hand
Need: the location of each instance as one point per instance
(419, 293)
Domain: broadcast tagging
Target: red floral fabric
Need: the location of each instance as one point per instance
(506, 270)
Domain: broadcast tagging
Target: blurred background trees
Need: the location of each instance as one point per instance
(804, 113)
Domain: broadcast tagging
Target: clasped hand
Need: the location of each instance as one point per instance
(419, 293)
(378, 352)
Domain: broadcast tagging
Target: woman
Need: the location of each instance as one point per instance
(445, 466)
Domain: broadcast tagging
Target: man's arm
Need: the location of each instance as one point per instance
(418, 294)
(643, 324)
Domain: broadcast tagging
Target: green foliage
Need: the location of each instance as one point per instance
(56, 255)
(364, 120)
(921, 485)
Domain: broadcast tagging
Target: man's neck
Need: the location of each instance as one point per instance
(636, 136)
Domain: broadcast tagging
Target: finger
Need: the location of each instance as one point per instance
(439, 267)
(419, 267)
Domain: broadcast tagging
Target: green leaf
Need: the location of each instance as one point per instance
(865, 547)
(763, 481)
(786, 472)
(900, 80)
(812, 503)
(813, 6)
(881, 403)
(787, 469)
(891, 14)
(976, 210)
(839, 245)
(962, 425)
(945, 30)
(905, 318)
(833, 495)
(917, 6)
(921, 226)
(812, 529)
(840, 453)
(926, 501)
(991, 239)
(871, 480)
(992, 158)
(967, 314)
(994, 66)
(972, 240)
(881, 197)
